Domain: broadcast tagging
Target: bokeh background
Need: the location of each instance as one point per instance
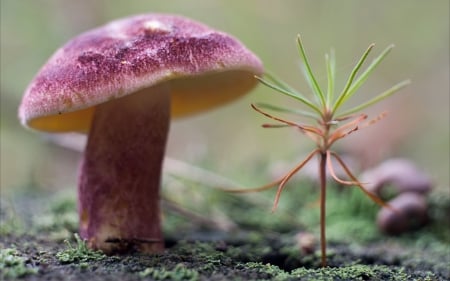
(230, 140)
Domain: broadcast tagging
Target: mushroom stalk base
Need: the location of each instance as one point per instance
(119, 183)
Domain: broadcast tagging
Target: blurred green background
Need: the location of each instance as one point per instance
(230, 140)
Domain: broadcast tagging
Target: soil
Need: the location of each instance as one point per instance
(46, 249)
(223, 259)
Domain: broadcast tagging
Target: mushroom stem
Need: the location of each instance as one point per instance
(120, 174)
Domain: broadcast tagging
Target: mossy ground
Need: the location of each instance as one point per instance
(38, 243)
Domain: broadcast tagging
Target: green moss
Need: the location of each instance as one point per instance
(13, 265)
(198, 249)
(79, 253)
(353, 272)
(10, 222)
(439, 208)
(179, 272)
(60, 220)
(266, 271)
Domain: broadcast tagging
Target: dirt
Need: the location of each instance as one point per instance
(270, 258)
(37, 243)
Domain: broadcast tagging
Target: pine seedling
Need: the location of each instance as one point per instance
(329, 123)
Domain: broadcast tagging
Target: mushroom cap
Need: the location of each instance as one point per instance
(408, 212)
(402, 174)
(202, 67)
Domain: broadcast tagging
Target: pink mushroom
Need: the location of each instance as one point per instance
(408, 209)
(408, 212)
(120, 84)
(403, 175)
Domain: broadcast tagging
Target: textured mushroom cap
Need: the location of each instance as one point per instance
(402, 174)
(202, 67)
(409, 211)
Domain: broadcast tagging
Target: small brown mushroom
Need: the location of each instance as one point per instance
(306, 242)
(408, 209)
(401, 174)
(408, 212)
(121, 83)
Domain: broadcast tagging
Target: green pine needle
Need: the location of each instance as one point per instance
(275, 108)
(363, 77)
(309, 75)
(321, 106)
(290, 94)
(344, 92)
(378, 98)
(331, 76)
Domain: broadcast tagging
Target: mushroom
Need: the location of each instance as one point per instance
(408, 211)
(120, 84)
(400, 173)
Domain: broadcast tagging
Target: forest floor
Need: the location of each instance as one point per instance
(243, 242)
